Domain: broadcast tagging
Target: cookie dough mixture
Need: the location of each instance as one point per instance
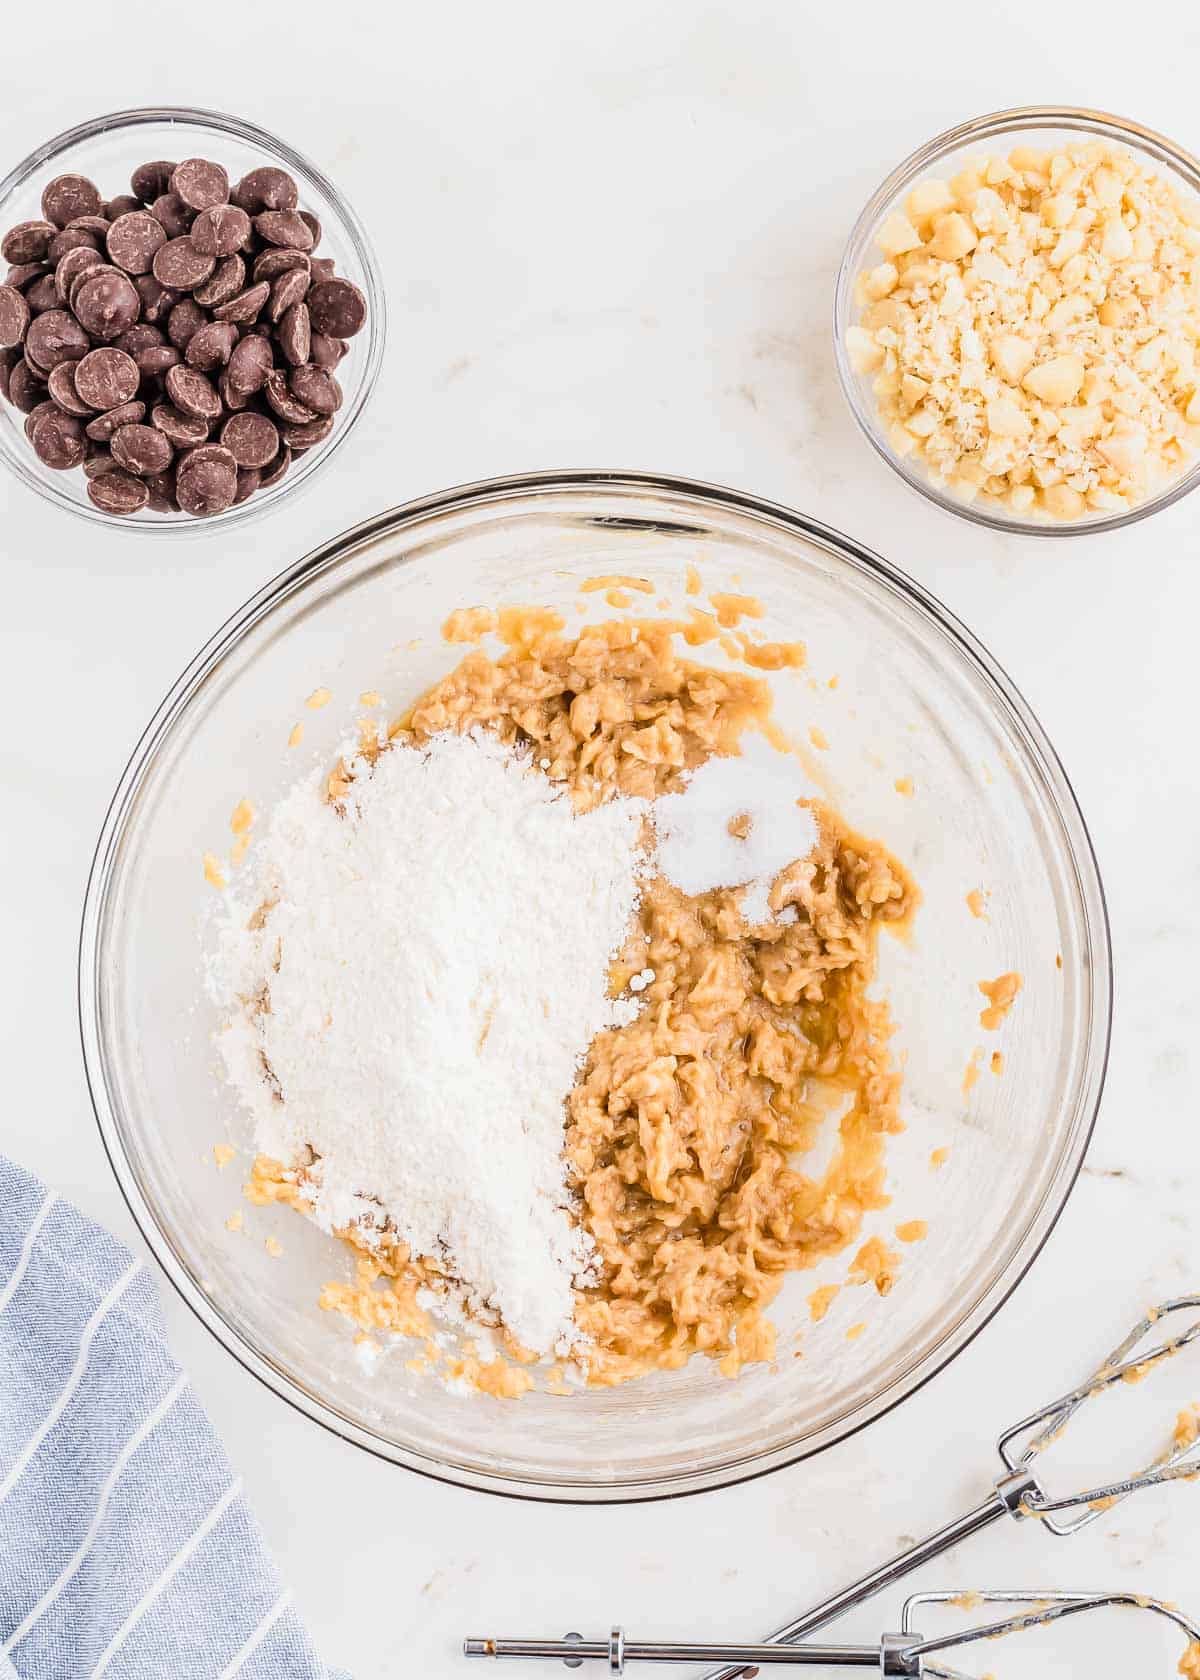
(687, 1126)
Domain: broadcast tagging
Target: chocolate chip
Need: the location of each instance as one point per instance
(185, 319)
(70, 239)
(273, 473)
(306, 435)
(42, 295)
(210, 348)
(58, 441)
(133, 240)
(68, 196)
(337, 307)
(150, 180)
(221, 231)
(72, 264)
(21, 274)
(280, 398)
(250, 364)
(251, 439)
(101, 429)
(14, 318)
(42, 408)
(27, 242)
(246, 305)
(316, 388)
(121, 206)
(98, 462)
(169, 209)
(286, 290)
(142, 450)
(97, 225)
(265, 189)
(295, 334)
(107, 378)
(313, 226)
(233, 399)
(61, 386)
(118, 492)
(178, 263)
(283, 227)
(84, 272)
(248, 481)
(8, 361)
(200, 184)
(157, 300)
(326, 352)
(140, 337)
(226, 282)
(25, 389)
(323, 268)
(191, 391)
(162, 491)
(106, 304)
(55, 337)
(183, 430)
(274, 261)
(206, 480)
(157, 359)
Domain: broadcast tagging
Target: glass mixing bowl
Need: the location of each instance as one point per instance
(917, 701)
(1042, 128)
(107, 150)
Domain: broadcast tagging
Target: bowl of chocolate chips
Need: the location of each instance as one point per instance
(191, 319)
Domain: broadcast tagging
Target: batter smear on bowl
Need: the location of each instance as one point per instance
(540, 999)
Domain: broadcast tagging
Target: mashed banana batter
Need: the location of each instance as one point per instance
(686, 1130)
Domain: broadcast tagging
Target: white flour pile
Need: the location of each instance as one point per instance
(443, 952)
(697, 850)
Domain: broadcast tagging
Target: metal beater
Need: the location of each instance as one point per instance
(1017, 1493)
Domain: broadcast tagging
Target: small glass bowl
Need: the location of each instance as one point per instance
(1043, 127)
(106, 150)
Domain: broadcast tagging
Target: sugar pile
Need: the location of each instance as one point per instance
(431, 971)
(698, 850)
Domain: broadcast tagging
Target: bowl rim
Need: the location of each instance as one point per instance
(1080, 857)
(1079, 119)
(218, 122)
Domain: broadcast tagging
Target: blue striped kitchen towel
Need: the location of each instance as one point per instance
(126, 1548)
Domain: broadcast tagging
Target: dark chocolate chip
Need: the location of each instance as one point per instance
(337, 307)
(106, 303)
(118, 492)
(8, 361)
(211, 347)
(42, 295)
(98, 462)
(287, 289)
(70, 239)
(274, 261)
(183, 430)
(26, 389)
(101, 429)
(323, 268)
(14, 318)
(27, 242)
(251, 439)
(233, 399)
(157, 359)
(265, 189)
(142, 450)
(283, 402)
(248, 481)
(200, 184)
(273, 473)
(58, 441)
(226, 282)
(40, 409)
(295, 334)
(55, 337)
(316, 388)
(150, 180)
(185, 319)
(308, 434)
(61, 386)
(313, 226)
(68, 196)
(157, 300)
(283, 227)
(121, 206)
(162, 491)
(72, 264)
(221, 231)
(191, 391)
(21, 275)
(326, 352)
(250, 364)
(178, 263)
(169, 209)
(140, 337)
(206, 480)
(246, 305)
(107, 378)
(133, 240)
(97, 225)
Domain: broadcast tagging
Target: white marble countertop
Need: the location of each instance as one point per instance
(609, 238)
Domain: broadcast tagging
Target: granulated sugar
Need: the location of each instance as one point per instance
(697, 848)
(433, 967)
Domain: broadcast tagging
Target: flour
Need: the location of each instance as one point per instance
(697, 850)
(435, 965)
